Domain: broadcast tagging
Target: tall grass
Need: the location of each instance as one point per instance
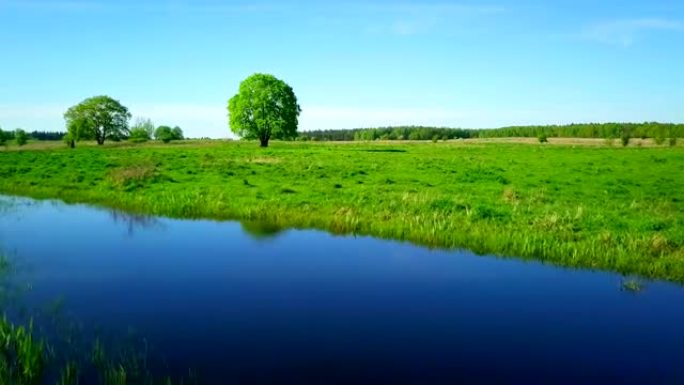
(53, 354)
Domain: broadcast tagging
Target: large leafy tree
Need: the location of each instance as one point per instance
(99, 118)
(265, 107)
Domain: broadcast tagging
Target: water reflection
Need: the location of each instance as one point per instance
(135, 222)
(261, 230)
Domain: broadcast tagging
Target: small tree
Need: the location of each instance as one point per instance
(542, 138)
(177, 133)
(264, 107)
(99, 118)
(164, 133)
(20, 136)
(141, 131)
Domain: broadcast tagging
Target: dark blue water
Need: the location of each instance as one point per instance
(307, 307)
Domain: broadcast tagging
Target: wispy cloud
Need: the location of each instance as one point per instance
(626, 32)
(412, 19)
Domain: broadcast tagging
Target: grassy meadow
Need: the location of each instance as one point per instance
(598, 206)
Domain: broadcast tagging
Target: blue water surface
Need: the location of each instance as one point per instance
(244, 306)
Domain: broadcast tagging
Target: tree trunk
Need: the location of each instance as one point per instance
(264, 141)
(72, 144)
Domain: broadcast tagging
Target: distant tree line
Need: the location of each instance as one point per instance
(654, 130)
(35, 135)
(388, 133)
(46, 135)
(590, 130)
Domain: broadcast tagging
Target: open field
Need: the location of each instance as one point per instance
(594, 142)
(612, 208)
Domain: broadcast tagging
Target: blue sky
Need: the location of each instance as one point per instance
(351, 64)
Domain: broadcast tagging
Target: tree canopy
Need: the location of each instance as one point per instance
(167, 134)
(99, 118)
(265, 107)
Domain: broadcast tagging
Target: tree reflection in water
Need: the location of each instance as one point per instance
(134, 221)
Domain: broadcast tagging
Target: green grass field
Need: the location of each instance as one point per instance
(619, 209)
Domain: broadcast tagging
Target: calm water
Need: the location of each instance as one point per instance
(242, 304)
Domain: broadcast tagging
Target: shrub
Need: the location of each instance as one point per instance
(3, 137)
(543, 138)
(659, 140)
(672, 142)
(142, 130)
(20, 136)
(609, 141)
(138, 135)
(69, 140)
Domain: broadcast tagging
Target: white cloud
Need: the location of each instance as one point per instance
(625, 32)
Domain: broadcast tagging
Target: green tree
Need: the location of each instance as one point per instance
(3, 137)
(142, 130)
(177, 133)
(164, 133)
(99, 118)
(20, 136)
(265, 107)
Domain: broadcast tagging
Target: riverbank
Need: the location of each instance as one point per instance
(612, 208)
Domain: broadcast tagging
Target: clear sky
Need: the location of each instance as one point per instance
(351, 64)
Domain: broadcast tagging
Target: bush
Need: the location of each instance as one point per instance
(659, 140)
(142, 131)
(542, 138)
(609, 141)
(138, 135)
(672, 142)
(3, 137)
(69, 140)
(20, 136)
